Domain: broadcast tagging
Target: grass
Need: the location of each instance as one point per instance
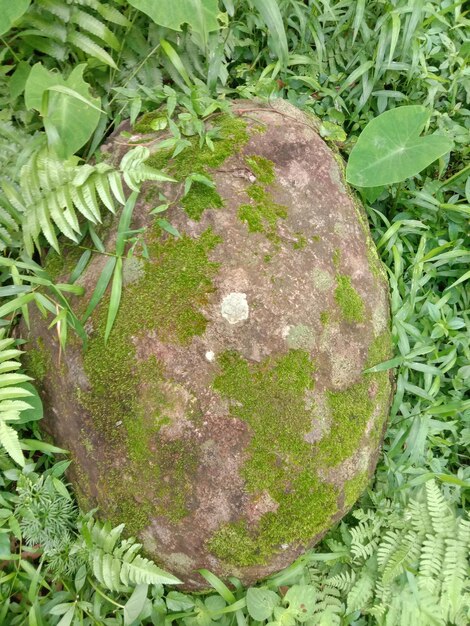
(346, 62)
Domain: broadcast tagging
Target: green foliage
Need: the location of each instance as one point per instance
(11, 394)
(69, 114)
(402, 557)
(390, 149)
(201, 15)
(10, 13)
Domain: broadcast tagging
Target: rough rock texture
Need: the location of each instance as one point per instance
(228, 421)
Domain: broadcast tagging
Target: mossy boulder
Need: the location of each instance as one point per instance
(228, 421)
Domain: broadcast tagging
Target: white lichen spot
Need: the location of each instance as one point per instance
(210, 356)
(234, 308)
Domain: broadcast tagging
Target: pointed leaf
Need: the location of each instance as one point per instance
(390, 148)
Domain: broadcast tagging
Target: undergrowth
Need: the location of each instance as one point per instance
(402, 555)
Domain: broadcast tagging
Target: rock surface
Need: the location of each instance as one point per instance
(227, 421)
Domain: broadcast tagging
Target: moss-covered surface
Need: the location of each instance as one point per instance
(262, 214)
(349, 301)
(262, 168)
(194, 159)
(325, 318)
(62, 264)
(352, 408)
(271, 398)
(354, 487)
(37, 361)
(200, 198)
(130, 400)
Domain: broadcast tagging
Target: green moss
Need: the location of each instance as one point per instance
(353, 408)
(150, 122)
(337, 257)
(350, 302)
(301, 242)
(262, 168)
(200, 198)
(325, 318)
(263, 214)
(271, 398)
(196, 160)
(37, 361)
(354, 487)
(57, 265)
(166, 300)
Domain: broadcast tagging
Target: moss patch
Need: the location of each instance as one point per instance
(37, 361)
(263, 214)
(354, 487)
(200, 198)
(194, 159)
(262, 168)
(271, 398)
(166, 300)
(349, 301)
(353, 408)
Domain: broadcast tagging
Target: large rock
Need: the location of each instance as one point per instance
(227, 421)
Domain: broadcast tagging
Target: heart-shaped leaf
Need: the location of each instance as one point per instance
(390, 148)
(70, 114)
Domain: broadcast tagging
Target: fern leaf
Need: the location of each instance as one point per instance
(87, 44)
(455, 577)
(95, 27)
(404, 554)
(104, 192)
(439, 511)
(361, 592)
(141, 570)
(58, 8)
(10, 441)
(430, 564)
(111, 14)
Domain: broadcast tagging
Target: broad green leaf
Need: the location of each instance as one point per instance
(201, 15)
(302, 600)
(177, 601)
(70, 114)
(390, 149)
(261, 602)
(10, 11)
(135, 604)
(35, 412)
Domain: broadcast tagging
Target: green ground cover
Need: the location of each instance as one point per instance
(402, 555)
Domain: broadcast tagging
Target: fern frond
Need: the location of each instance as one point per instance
(89, 46)
(361, 592)
(405, 552)
(430, 564)
(118, 565)
(343, 581)
(455, 576)
(439, 511)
